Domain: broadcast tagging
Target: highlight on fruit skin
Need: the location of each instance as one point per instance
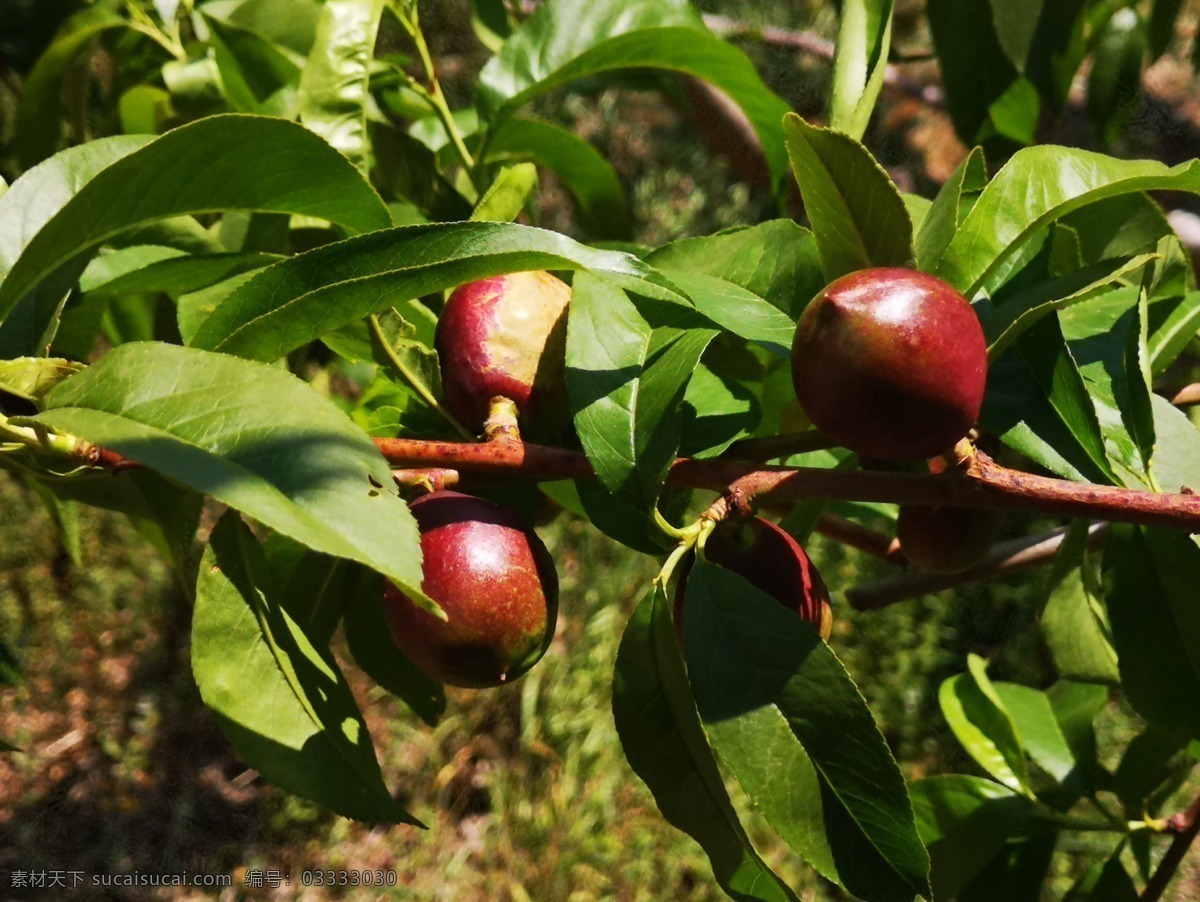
(495, 581)
(945, 539)
(773, 562)
(505, 336)
(890, 363)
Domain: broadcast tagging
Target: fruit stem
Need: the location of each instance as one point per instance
(427, 481)
(414, 383)
(501, 424)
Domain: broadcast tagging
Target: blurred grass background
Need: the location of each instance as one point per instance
(525, 789)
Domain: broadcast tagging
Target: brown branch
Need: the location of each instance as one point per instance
(865, 539)
(1185, 827)
(983, 483)
(1005, 559)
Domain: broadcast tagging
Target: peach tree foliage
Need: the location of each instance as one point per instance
(268, 194)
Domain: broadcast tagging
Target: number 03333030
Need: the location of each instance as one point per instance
(348, 878)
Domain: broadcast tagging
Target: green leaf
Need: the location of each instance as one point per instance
(599, 198)
(32, 378)
(28, 205)
(334, 84)
(1152, 758)
(788, 723)
(369, 639)
(251, 436)
(279, 699)
(976, 714)
(176, 275)
(949, 208)
(1115, 81)
(505, 198)
(230, 162)
(1025, 308)
(775, 260)
(1074, 621)
(307, 296)
(1176, 322)
(736, 310)
(718, 410)
(860, 63)
(65, 515)
(857, 213)
(569, 40)
(661, 735)
(1162, 26)
(1016, 23)
(491, 22)
(1037, 186)
(1036, 724)
(1156, 624)
(1108, 340)
(1048, 359)
(292, 24)
(978, 75)
(1104, 882)
(626, 379)
(256, 75)
(1176, 464)
(965, 822)
(40, 113)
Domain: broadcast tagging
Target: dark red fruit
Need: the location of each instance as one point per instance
(891, 363)
(773, 562)
(504, 336)
(495, 581)
(946, 539)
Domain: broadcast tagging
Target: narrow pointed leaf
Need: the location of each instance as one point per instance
(251, 436)
(857, 213)
(863, 42)
(661, 735)
(1156, 624)
(334, 85)
(302, 298)
(280, 700)
(573, 39)
(787, 721)
(979, 720)
(1037, 186)
(218, 163)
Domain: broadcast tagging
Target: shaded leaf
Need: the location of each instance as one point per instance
(1156, 624)
(1074, 621)
(279, 699)
(965, 822)
(626, 379)
(661, 735)
(787, 721)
